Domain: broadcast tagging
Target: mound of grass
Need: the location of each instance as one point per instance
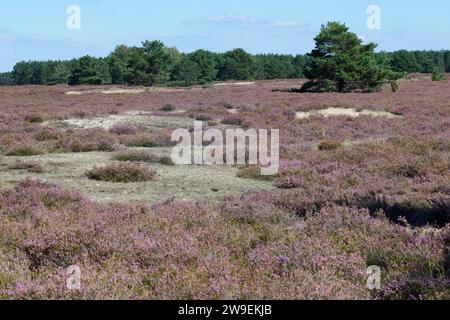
(141, 141)
(47, 134)
(437, 76)
(23, 151)
(329, 145)
(121, 173)
(394, 86)
(34, 118)
(233, 120)
(88, 140)
(142, 156)
(168, 108)
(149, 140)
(123, 129)
(253, 172)
(288, 183)
(226, 105)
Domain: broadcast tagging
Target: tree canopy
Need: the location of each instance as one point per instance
(341, 62)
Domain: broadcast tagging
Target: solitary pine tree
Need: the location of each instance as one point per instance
(340, 62)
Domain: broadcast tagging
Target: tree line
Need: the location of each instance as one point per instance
(154, 64)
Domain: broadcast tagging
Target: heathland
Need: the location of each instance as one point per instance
(85, 179)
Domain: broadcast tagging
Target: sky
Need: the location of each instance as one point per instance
(37, 29)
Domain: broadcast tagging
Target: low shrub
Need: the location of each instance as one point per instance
(121, 173)
(142, 156)
(166, 161)
(253, 172)
(202, 117)
(329, 145)
(48, 134)
(394, 86)
(437, 76)
(141, 141)
(88, 141)
(23, 151)
(34, 118)
(150, 140)
(123, 129)
(233, 120)
(168, 108)
(288, 183)
(226, 105)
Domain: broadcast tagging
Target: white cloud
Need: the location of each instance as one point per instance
(230, 18)
(284, 24)
(244, 20)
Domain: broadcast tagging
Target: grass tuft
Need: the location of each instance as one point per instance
(121, 173)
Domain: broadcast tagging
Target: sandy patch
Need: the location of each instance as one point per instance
(108, 91)
(345, 112)
(126, 91)
(180, 183)
(234, 84)
(137, 118)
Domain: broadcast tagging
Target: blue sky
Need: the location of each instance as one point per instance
(37, 30)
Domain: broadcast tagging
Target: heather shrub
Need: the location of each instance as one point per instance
(202, 117)
(252, 172)
(288, 183)
(254, 213)
(88, 140)
(34, 118)
(123, 129)
(141, 141)
(142, 156)
(420, 288)
(23, 151)
(166, 161)
(48, 134)
(168, 108)
(121, 172)
(329, 145)
(226, 105)
(150, 140)
(233, 120)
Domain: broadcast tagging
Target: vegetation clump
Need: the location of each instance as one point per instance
(23, 151)
(329, 145)
(121, 173)
(438, 76)
(142, 156)
(34, 118)
(394, 86)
